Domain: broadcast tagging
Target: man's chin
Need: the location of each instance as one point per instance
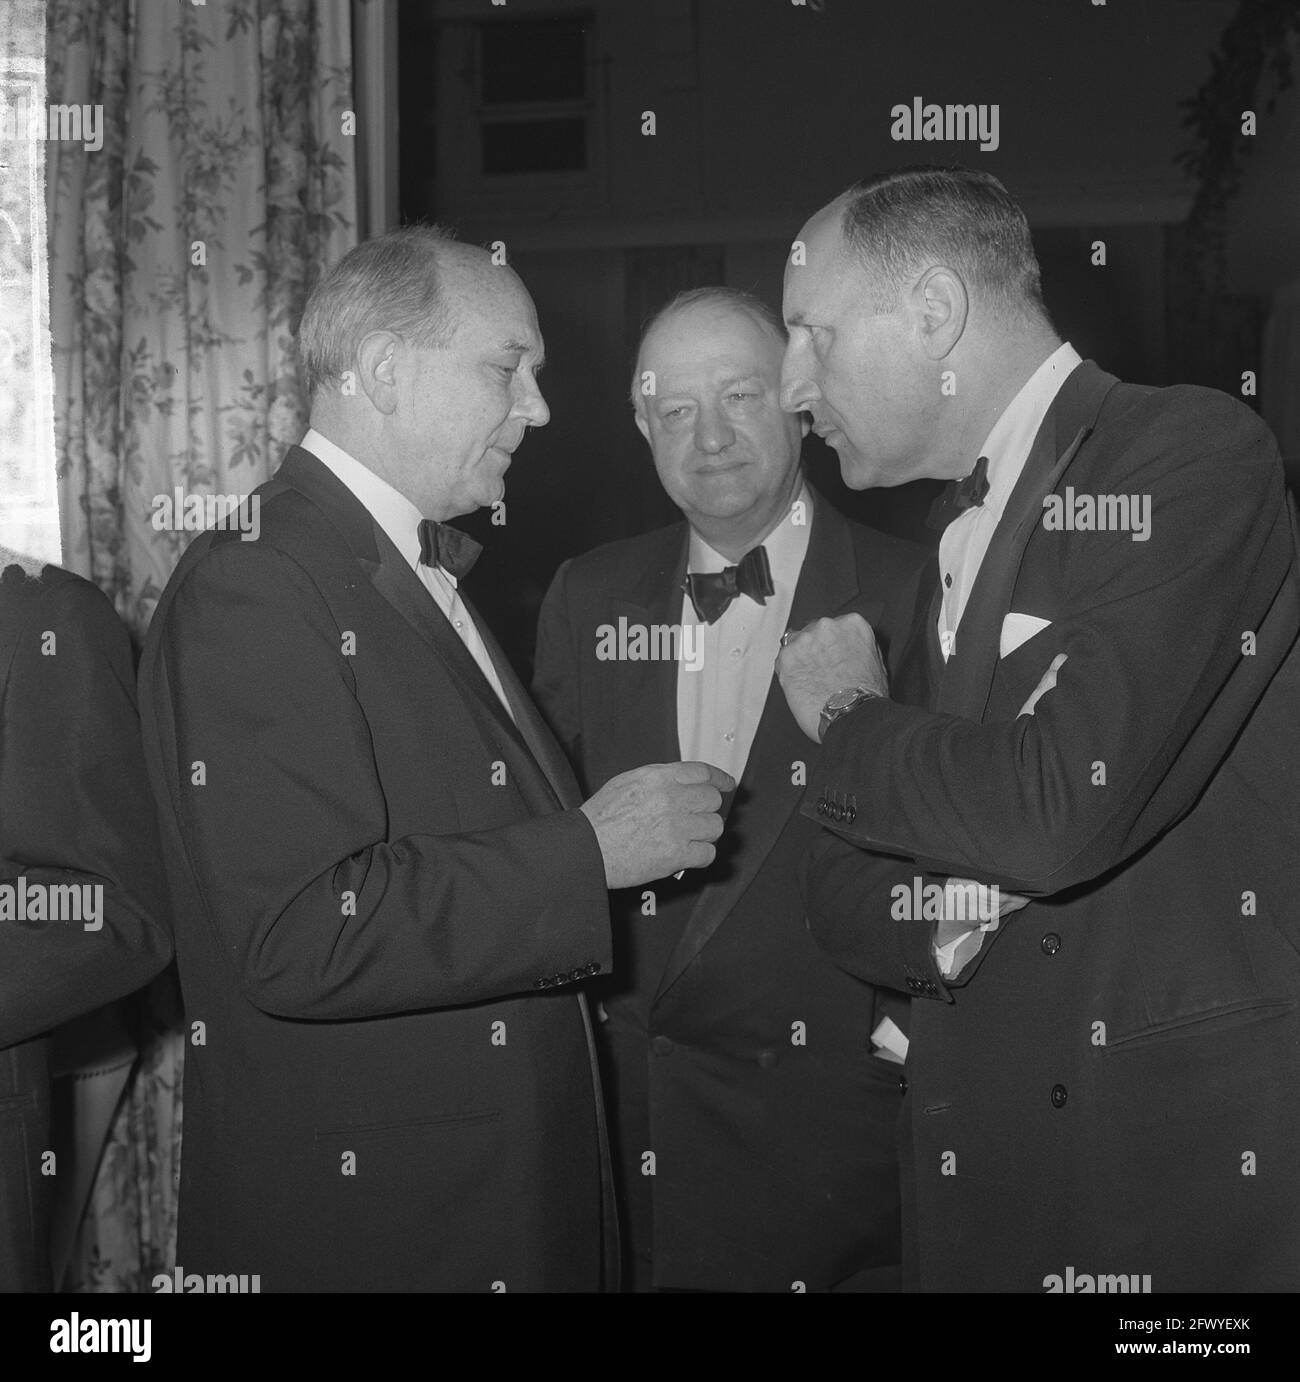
(720, 497)
(471, 501)
(494, 485)
(856, 472)
(861, 472)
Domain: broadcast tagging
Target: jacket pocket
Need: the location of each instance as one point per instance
(1206, 1023)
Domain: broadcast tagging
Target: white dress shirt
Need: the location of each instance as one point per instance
(719, 706)
(966, 539)
(400, 520)
(962, 549)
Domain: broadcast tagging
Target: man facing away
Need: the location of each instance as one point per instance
(82, 895)
(388, 891)
(1104, 1043)
(755, 1125)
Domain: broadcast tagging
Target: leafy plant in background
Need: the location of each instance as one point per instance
(1252, 60)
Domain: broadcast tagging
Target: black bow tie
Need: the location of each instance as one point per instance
(445, 546)
(959, 495)
(711, 592)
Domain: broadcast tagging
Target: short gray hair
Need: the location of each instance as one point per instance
(390, 283)
(900, 221)
(715, 295)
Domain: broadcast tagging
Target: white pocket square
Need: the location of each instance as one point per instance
(1018, 629)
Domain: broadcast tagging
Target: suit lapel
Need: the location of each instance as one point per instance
(648, 708)
(927, 640)
(393, 578)
(828, 583)
(967, 678)
(539, 739)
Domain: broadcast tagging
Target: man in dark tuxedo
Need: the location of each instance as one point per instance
(1105, 1034)
(388, 890)
(755, 1128)
(82, 901)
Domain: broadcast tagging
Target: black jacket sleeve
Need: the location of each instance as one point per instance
(75, 810)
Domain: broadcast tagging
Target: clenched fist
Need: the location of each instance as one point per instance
(657, 820)
(824, 657)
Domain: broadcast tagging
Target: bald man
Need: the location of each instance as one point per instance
(755, 1116)
(388, 890)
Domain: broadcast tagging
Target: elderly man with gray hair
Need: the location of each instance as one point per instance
(388, 891)
(754, 1114)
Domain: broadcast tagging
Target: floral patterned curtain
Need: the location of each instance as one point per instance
(181, 253)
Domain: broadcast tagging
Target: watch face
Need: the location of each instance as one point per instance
(841, 700)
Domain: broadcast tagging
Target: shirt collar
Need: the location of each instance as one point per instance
(391, 509)
(1008, 444)
(786, 545)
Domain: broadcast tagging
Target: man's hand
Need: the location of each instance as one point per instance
(824, 657)
(657, 820)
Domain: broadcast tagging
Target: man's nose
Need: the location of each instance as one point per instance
(797, 390)
(713, 433)
(532, 406)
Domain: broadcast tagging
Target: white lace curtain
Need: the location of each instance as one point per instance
(29, 501)
(181, 251)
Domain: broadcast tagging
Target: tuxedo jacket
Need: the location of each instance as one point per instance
(738, 1056)
(1107, 1088)
(75, 810)
(385, 901)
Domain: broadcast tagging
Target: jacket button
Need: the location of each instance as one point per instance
(902, 1084)
(542, 984)
(577, 974)
(661, 1045)
(851, 814)
(768, 1060)
(1059, 1096)
(559, 979)
(593, 968)
(1051, 943)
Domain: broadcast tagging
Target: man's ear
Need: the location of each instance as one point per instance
(379, 361)
(805, 424)
(642, 425)
(940, 306)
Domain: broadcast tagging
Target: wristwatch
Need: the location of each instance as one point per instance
(840, 703)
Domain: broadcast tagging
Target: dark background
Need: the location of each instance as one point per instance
(523, 123)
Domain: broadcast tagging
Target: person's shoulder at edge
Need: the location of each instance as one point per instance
(51, 591)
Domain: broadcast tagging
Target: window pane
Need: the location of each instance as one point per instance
(534, 60)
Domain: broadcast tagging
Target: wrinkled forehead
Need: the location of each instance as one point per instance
(711, 343)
